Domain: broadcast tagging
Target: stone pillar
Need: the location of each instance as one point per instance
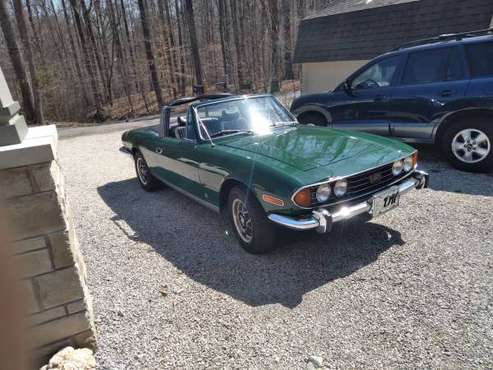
(51, 268)
(13, 127)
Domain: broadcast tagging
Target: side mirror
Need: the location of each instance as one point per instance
(347, 87)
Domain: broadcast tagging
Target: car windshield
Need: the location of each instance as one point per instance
(257, 115)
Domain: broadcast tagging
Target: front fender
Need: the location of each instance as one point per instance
(314, 107)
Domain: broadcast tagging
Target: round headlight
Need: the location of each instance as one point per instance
(397, 168)
(408, 164)
(323, 193)
(340, 188)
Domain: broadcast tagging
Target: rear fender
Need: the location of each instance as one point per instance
(457, 115)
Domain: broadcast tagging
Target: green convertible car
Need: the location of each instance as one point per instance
(248, 158)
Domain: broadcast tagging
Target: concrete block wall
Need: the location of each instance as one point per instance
(51, 268)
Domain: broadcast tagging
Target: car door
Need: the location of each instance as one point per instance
(433, 83)
(480, 57)
(363, 104)
(175, 160)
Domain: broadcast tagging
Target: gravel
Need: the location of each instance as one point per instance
(413, 288)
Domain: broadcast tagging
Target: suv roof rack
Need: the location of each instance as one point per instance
(446, 37)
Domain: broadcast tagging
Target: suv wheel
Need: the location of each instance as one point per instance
(312, 118)
(469, 145)
(249, 222)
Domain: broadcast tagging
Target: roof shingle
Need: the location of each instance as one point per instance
(368, 31)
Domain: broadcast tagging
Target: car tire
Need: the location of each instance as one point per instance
(146, 179)
(312, 118)
(248, 221)
(468, 145)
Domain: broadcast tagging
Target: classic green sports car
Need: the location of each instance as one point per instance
(248, 158)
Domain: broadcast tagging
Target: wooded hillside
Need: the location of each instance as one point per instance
(79, 60)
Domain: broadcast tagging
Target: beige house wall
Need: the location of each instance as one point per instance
(318, 77)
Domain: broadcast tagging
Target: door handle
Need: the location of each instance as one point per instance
(159, 150)
(381, 98)
(446, 93)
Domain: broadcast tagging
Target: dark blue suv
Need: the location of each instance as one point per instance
(430, 91)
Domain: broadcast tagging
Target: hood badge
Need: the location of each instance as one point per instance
(375, 178)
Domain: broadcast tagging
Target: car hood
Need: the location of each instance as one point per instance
(305, 148)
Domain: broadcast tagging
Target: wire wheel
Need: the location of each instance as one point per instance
(242, 220)
(143, 171)
(471, 145)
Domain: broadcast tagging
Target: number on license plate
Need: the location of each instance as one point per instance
(385, 201)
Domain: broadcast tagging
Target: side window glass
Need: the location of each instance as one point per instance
(455, 68)
(426, 66)
(378, 75)
(480, 59)
(190, 133)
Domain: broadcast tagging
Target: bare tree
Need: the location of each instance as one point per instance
(151, 62)
(17, 62)
(26, 42)
(194, 43)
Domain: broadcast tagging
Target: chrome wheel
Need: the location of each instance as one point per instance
(242, 220)
(471, 145)
(143, 171)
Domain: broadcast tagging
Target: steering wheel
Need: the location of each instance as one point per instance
(368, 84)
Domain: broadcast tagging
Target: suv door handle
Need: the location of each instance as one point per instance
(446, 93)
(159, 150)
(381, 98)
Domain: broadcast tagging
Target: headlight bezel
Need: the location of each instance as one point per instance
(408, 164)
(328, 192)
(343, 183)
(398, 167)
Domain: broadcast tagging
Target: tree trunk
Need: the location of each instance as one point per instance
(223, 32)
(99, 116)
(75, 57)
(273, 6)
(167, 47)
(26, 42)
(286, 25)
(199, 80)
(240, 56)
(151, 62)
(17, 63)
(180, 44)
(96, 54)
(122, 65)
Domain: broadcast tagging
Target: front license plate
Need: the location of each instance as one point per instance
(385, 201)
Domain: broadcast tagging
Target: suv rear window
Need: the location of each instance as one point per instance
(426, 66)
(480, 59)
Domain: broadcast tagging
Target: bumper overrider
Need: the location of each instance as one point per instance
(322, 220)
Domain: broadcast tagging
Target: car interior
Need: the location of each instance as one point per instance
(214, 125)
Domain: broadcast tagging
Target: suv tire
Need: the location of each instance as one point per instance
(312, 118)
(468, 144)
(256, 234)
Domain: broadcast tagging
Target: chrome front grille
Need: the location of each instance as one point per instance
(369, 181)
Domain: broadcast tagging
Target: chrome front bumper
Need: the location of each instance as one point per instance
(322, 219)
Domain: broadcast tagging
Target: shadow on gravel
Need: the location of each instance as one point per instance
(193, 239)
(443, 177)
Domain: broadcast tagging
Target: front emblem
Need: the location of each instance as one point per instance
(375, 178)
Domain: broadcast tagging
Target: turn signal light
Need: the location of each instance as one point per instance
(272, 200)
(415, 159)
(303, 198)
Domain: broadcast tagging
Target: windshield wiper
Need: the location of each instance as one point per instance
(226, 132)
(285, 123)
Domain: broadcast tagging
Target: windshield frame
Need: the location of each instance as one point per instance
(200, 126)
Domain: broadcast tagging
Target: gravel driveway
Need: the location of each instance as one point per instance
(413, 288)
